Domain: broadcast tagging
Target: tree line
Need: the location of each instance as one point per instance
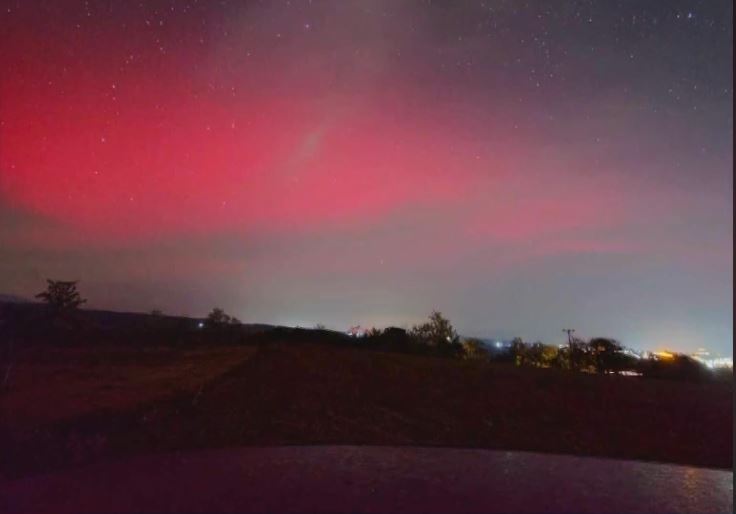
(598, 355)
(438, 337)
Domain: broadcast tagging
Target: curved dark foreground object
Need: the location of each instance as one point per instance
(371, 479)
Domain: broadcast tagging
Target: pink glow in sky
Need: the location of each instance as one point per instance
(521, 169)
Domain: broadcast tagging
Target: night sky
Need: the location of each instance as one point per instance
(523, 167)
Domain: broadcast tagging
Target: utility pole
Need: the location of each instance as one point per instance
(569, 332)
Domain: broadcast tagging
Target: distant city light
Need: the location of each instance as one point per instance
(498, 344)
(720, 362)
(356, 331)
(664, 355)
(632, 353)
(200, 324)
(703, 356)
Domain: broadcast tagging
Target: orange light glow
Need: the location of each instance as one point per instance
(665, 355)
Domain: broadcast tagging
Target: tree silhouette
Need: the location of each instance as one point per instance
(606, 354)
(519, 352)
(62, 295)
(549, 354)
(217, 318)
(438, 332)
(535, 354)
(390, 338)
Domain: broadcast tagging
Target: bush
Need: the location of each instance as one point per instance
(474, 349)
(542, 355)
(391, 338)
(675, 367)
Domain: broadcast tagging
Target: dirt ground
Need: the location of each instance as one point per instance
(80, 406)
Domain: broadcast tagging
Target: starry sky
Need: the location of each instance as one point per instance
(522, 166)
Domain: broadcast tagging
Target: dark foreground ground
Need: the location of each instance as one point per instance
(66, 407)
(372, 479)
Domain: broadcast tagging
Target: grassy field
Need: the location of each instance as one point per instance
(52, 385)
(76, 405)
